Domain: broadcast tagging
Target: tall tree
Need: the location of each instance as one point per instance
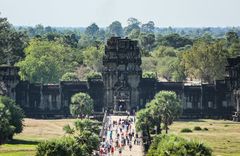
(147, 41)
(206, 61)
(148, 27)
(11, 118)
(39, 29)
(115, 29)
(92, 30)
(46, 61)
(169, 107)
(231, 37)
(174, 40)
(69, 76)
(133, 24)
(12, 43)
(144, 122)
(81, 104)
(93, 57)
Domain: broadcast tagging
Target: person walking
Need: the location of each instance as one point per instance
(130, 146)
(112, 150)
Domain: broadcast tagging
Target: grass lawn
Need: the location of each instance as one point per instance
(222, 136)
(35, 131)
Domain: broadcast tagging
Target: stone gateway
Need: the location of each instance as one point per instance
(122, 88)
(121, 74)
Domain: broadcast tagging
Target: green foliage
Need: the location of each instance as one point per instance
(142, 119)
(164, 108)
(166, 62)
(231, 37)
(67, 129)
(144, 122)
(170, 145)
(166, 67)
(134, 34)
(197, 128)
(94, 75)
(167, 105)
(66, 146)
(11, 118)
(89, 140)
(82, 140)
(81, 104)
(92, 30)
(12, 43)
(206, 61)
(149, 75)
(115, 29)
(133, 24)
(174, 40)
(86, 125)
(93, 57)
(70, 77)
(149, 64)
(234, 48)
(205, 129)
(6, 129)
(186, 130)
(46, 61)
(163, 51)
(148, 27)
(147, 41)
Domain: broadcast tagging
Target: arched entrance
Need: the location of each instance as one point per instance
(121, 100)
(122, 106)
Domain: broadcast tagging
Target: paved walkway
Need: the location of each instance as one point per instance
(121, 136)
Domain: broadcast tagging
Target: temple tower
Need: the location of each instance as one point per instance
(121, 74)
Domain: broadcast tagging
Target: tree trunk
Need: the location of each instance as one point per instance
(159, 130)
(166, 127)
(149, 135)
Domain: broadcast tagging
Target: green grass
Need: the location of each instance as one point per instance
(35, 131)
(222, 136)
(18, 153)
(224, 140)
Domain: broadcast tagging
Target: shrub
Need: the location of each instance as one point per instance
(186, 130)
(11, 118)
(168, 145)
(69, 77)
(205, 129)
(149, 75)
(62, 147)
(81, 104)
(94, 75)
(197, 128)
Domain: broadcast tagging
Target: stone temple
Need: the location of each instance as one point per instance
(122, 88)
(122, 74)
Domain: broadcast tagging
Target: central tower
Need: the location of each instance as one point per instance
(121, 74)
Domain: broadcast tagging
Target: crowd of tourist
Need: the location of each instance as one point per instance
(119, 136)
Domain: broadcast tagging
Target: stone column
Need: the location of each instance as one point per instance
(27, 94)
(60, 96)
(41, 97)
(237, 100)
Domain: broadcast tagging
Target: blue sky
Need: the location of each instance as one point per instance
(176, 13)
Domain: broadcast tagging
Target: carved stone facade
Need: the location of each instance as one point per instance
(123, 88)
(121, 74)
(233, 80)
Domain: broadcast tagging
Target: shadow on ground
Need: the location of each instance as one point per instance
(191, 120)
(25, 142)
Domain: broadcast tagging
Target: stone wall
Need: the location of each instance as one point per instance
(123, 88)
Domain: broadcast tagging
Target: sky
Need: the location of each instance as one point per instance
(81, 13)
